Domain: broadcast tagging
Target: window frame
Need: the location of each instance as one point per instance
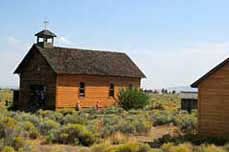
(82, 89)
(111, 90)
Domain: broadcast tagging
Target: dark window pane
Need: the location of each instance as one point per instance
(82, 84)
(82, 89)
(111, 90)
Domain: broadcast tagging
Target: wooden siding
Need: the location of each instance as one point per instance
(213, 112)
(96, 90)
(32, 76)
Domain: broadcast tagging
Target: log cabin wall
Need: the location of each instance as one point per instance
(96, 90)
(213, 110)
(37, 72)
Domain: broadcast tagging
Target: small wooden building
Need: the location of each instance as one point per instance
(57, 77)
(213, 101)
(188, 100)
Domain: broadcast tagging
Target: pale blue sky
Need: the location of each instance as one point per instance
(174, 42)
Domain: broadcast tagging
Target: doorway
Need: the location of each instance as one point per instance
(38, 94)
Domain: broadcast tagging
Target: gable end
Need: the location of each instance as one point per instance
(26, 59)
(215, 69)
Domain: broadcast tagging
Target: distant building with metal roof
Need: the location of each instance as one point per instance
(188, 100)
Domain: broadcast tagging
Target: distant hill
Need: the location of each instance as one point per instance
(177, 89)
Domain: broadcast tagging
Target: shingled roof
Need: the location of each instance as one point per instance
(88, 62)
(45, 34)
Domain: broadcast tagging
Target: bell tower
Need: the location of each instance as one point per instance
(45, 38)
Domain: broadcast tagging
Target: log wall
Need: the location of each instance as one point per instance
(213, 112)
(37, 72)
(96, 90)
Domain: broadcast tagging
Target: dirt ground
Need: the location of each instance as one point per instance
(158, 132)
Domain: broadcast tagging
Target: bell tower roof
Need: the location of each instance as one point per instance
(45, 34)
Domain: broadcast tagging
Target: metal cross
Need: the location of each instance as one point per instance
(46, 22)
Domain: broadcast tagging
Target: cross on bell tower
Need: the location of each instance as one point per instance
(45, 38)
(46, 22)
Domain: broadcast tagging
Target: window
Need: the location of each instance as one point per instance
(130, 86)
(82, 89)
(111, 90)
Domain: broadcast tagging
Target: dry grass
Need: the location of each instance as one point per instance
(38, 146)
(119, 138)
(6, 94)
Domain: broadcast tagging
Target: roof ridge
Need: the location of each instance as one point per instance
(89, 62)
(213, 70)
(86, 49)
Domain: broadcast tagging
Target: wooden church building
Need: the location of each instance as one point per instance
(57, 77)
(213, 101)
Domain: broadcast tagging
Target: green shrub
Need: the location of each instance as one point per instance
(108, 125)
(79, 118)
(132, 99)
(15, 142)
(187, 123)
(27, 125)
(67, 111)
(32, 132)
(113, 123)
(113, 110)
(71, 118)
(155, 105)
(190, 138)
(18, 143)
(128, 124)
(90, 110)
(47, 125)
(8, 122)
(21, 117)
(129, 148)
(143, 126)
(8, 149)
(163, 117)
(72, 134)
(9, 129)
(210, 148)
(11, 133)
(121, 148)
(169, 147)
(53, 115)
(127, 127)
